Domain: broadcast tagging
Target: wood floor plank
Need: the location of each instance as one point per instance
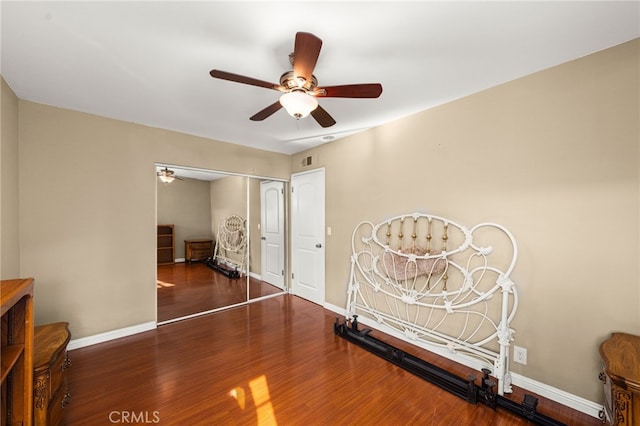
(276, 361)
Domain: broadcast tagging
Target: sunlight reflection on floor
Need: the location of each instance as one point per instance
(261, 399)
(161, 284)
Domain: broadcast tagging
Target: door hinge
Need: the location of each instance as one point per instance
(283, 272)
(292, 276)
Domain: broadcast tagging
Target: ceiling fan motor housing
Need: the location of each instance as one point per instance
(292, 82)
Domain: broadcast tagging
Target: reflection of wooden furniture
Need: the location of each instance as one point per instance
(166, 245)
(50, 362)
(16, 351)
(621, 376)
(197, 249)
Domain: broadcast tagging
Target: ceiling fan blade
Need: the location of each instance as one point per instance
(322, 117)
(305, 55)
(268, 111)
(223, 75)
(372, 90)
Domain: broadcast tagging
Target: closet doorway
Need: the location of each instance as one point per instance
(197, 204)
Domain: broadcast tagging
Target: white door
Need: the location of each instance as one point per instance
(272, 232)
(307, 235)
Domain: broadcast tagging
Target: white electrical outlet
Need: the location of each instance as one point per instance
(519, 355)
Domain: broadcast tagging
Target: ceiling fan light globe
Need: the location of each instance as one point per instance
(166, 179)
(298, 103)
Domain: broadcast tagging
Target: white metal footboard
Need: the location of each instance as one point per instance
(436, 282)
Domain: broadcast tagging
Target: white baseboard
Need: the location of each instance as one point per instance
(110, 335)
(565, 398)
(557, 395)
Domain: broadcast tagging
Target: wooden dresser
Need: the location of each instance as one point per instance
(16, 352)
(50, 362)
(196, 250)
(621, 376)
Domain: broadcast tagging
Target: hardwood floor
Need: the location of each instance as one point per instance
(188, 288)
(276, 361)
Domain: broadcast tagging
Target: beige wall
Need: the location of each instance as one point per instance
(187, 205)
(553, 157)
(9, 236)
(88, 211)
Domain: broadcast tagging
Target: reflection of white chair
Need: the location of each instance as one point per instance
(231, 243)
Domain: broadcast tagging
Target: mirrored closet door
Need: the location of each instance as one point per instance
(268, 235)
(228, 233)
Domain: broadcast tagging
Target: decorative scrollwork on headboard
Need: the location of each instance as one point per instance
(432, 281)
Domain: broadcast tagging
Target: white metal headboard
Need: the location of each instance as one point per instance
(432, 281)
(231, 242)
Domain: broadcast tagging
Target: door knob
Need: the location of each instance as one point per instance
(318, 245)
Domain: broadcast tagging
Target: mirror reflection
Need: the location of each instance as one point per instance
(220, 242)
(268, 235)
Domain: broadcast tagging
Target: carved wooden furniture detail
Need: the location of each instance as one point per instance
(197, 250)
(166, 245)
(50, 362)
(621, 376)
(16, 351)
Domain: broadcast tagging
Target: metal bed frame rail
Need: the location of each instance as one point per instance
(466, 389)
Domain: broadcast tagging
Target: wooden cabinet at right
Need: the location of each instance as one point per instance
(621, 377)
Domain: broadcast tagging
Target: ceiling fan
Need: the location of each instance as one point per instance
(167, 176)
(300, 87)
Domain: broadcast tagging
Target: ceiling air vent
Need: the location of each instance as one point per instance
(307, 161)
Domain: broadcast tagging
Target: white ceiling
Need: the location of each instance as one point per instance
(148, 62)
